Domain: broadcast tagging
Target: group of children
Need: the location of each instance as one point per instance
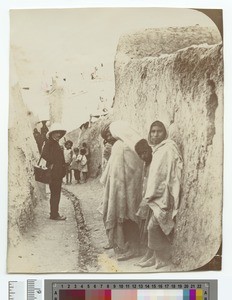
(76, 160)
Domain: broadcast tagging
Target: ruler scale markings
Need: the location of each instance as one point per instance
(176, 286)
(16, 290)
(198, 290)
(34, 289)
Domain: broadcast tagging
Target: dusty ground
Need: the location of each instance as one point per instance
(75, 245)
(48, 246)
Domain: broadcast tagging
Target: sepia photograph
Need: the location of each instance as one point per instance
(115, 157)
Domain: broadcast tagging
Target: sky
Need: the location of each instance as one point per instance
(70, 43)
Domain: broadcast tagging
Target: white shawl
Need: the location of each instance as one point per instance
(163, 185)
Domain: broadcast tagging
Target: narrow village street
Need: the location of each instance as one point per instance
(33, 252)
(77, 243)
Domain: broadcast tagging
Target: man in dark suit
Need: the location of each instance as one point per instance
(54, 156)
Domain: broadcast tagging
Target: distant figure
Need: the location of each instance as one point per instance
(84, 146)
(84, 125)
(106, 153)
(68, 155)
(82, 165)
(74, 165)
(54, 156)
(44, 130)
(38, 139)
(87, 154)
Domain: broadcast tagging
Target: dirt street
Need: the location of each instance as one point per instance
(75, 245)
(48, 246)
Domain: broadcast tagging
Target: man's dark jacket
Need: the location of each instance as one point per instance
(54, 156)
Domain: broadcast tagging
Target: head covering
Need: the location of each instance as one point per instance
(161, 125)
(105, 129)
(122, 130)
(56, 127)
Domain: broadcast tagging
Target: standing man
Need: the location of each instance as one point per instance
(54, 156)
(38, 139)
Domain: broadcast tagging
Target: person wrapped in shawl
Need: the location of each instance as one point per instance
(161, 200)
(122, 180)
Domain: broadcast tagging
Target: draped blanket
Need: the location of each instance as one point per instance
(163, 185)
(122, 179)
(121, 130)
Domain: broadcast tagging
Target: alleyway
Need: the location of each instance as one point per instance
(48, 246)
(72, 246)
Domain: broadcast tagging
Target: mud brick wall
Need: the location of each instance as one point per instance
(176, 75)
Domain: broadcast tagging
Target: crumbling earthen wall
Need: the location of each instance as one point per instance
(23, 191)
(181, 85)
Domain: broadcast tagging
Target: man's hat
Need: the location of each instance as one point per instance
(56, 127)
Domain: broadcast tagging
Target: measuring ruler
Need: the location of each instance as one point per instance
(156, 289)
(32, 289)
(16, 290)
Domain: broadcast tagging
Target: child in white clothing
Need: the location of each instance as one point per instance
(82, 164)
(75, 165)
(68, 154)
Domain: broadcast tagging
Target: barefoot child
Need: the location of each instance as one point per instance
(82, 165)
(68, 153)
(74, 165)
